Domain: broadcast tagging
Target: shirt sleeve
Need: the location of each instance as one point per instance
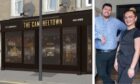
(137, 34)
(97, 35)
(121, 25)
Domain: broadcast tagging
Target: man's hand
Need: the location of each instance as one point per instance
(103, 40)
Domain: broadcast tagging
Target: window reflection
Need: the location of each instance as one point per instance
(53, 4)
(90, 1)
(13, 47)
(69, 46)
(29, 47)
(89, 49)
(51, 46)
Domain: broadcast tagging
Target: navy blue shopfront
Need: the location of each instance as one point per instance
(66, 43)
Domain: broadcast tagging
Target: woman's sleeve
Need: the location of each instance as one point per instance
(137, 34)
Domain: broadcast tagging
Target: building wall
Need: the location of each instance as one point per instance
(99, 3)
(5, 9)
(0, 50)
(5, 6)
(36, 4)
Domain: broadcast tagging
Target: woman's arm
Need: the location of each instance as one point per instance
(116, 60)
(137, 52)
(131, 71)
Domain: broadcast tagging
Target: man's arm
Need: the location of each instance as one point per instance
(122, 27)
(98, 35)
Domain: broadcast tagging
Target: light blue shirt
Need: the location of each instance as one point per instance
(109, 29)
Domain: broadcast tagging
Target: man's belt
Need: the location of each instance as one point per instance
(110, 50)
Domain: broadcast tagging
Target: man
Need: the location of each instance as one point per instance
(106, 40)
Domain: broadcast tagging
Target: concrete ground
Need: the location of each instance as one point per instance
(30, 77)
(115, 76)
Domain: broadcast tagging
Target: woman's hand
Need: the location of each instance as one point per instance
(116, 65)
(131, 72)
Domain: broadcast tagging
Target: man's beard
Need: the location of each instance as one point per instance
(106, 17)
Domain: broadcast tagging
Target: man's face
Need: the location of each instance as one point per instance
(106, 11)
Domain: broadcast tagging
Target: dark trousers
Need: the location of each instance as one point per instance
(123, 77)
(104, 64)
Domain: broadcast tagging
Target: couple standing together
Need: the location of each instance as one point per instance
(106, 43)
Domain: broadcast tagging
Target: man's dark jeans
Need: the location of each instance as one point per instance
(104, 64)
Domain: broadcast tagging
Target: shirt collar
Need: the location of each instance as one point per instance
(108, 18)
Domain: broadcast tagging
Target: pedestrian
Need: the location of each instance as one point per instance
(106, 41)
(126, 62)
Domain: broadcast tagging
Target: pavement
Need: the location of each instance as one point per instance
(114, 76)
(31, 77)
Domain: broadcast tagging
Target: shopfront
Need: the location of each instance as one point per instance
(66, 43)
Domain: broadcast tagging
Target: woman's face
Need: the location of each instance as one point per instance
(130, 18)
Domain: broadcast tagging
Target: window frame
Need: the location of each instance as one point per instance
(78, 4)
(46, 6)
(88, 4)
(14, 11)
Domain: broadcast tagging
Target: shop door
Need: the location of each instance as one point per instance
(29, 47)
(51, 46)
(69, 37)
(60, 48)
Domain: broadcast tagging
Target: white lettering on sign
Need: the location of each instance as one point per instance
(12, 26)
(78, 20)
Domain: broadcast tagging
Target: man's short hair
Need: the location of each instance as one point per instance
(107, 4)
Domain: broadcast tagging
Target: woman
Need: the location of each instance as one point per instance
(126, 62)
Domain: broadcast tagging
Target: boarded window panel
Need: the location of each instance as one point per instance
(29, 47)
(51, 46)
(89, 48)
(13, 47)
(70, 46)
